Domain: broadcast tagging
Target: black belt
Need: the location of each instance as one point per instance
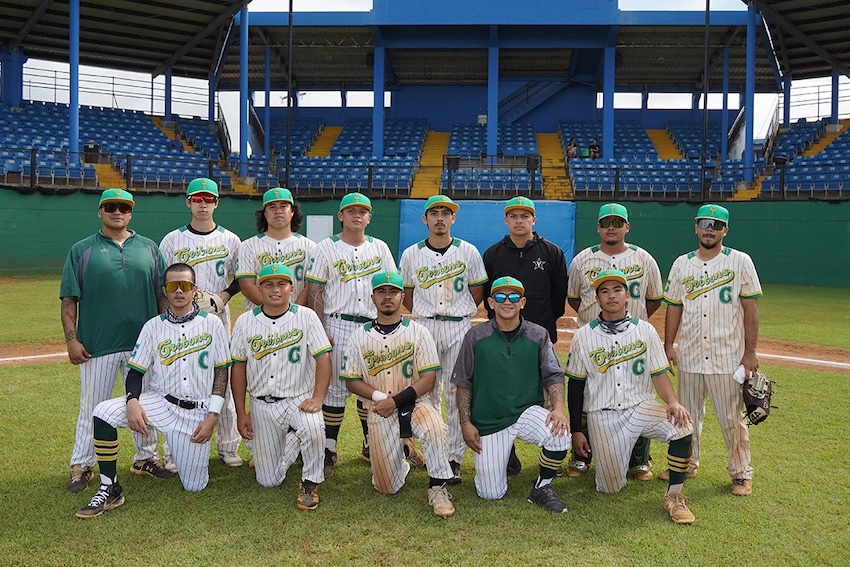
(269, 399)
(185, 404)
(351, 318)
(446, 318)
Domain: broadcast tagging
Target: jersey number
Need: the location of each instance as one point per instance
(407, 369)
(634, 290)
(295, 355)
(459, 284)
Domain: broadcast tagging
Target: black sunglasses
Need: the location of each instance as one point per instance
(112, 207)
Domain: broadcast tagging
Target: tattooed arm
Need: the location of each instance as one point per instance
(557, 419)
(316, 302)
(203, 432)
(464, 408)
(77, 353)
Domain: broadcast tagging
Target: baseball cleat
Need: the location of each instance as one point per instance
(514, 464)
(230, 458)
(674, 503)
(308, 495)
(548, 499)
(150, 467)
(330, 463)
(576, 468)
(742, 486)
(441, 501)
(456, 478)
(364, 453)
(413, 455)
(80, 478)
(169, 464)
(640, 472)
(108, 497)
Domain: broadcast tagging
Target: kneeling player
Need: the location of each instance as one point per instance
(281, 357)
(393, 362)
(185, 354)
(614, 362)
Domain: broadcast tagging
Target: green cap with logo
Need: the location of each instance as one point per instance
(441, 201)
(520, 203)
(608, 275)
(202, 185)
(116, 196)
(277, 194)
(613, 210)
(355, 200)
(393, 279)
(715, 212)
(507, 282)
(274, 271)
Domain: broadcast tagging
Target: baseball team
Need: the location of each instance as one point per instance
(325, 320)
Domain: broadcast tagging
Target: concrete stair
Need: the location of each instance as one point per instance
(322, 146)
(427, 180)
(827, 139)
(664, 145)
(171, 134)
(242, 188)
(107, 177)
(745, 193)
(556, 183)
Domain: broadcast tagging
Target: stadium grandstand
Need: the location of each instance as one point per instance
(472, 103)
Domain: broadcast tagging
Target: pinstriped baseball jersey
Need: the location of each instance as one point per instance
(212, 256)
(262, 250)
(711, 335)
(617, 369)
(442, 281)
(279, 352)
(390, 363)
(641, 271)
(178, 358)
(346, 272)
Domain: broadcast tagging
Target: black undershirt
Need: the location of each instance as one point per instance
(193, 230)
(440, 251)
(273, 317)
(386, 329)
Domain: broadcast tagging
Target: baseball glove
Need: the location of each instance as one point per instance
(758, 390)
(210, 302)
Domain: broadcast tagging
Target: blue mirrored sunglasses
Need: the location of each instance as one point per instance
(512, 297)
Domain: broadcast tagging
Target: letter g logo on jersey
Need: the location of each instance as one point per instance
(638, 367)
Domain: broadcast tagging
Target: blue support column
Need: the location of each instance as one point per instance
(243, 92)
(74, 70)
(211, 82)
(492, 102)
(833, 119)
(750, 102)
(786, 102)
(168, 94)
(12, 76)
(608, 103)
(267, 117)
(378, 105)
(724, 120)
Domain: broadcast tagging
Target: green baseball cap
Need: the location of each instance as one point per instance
(274, 271)
(507, 282)
(441, 201)
(202, 185)
(608, 275)
(393, 279)
(613, 210)
(715, 212)
(116, 196)
(355, 200)
(277, 194)
(520, 203)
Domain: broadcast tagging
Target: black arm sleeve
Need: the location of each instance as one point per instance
(133, 386)
(233, 288)
(575, 401)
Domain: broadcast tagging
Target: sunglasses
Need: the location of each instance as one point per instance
(171, 287)
(608, 222)
(209, 199)
(112, 207)
(512, 297)
(705, 224)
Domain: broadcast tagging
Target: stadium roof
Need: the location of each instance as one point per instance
(655, 50)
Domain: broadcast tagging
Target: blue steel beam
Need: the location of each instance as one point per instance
(749, 118)
(493, 95)
(378, 104)
(74, 86)
(168, 94)
(769, 52)
(243, 92)
(724, 118)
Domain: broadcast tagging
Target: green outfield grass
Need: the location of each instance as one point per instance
(796, 515)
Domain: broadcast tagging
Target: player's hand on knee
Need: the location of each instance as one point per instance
(137, 419)
(311, 405)
(77, 353)
(243, 425)
(471, 436)
(677, 414)
(203, 432)
(581, 446)
(557, 423)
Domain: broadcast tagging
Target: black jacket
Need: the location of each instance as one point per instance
(541, 267)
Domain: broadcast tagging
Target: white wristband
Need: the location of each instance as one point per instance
(378, 395)
(216, 403)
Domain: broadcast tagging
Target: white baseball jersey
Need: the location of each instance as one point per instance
(346, 273)
(711, 334)
(262, 250)
(212, 256)
(442, 281)
(640, 268)
(279, 352)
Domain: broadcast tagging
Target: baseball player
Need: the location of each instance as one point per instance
(281, 356)
(338, 289)
(111, 284)
(500, 374)
(184, 355)
(278, 241)
(645, 294)
(614, 362)
(526, 255)
(210, 249)
(443, 283)
(712, 296)
(392, 364)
